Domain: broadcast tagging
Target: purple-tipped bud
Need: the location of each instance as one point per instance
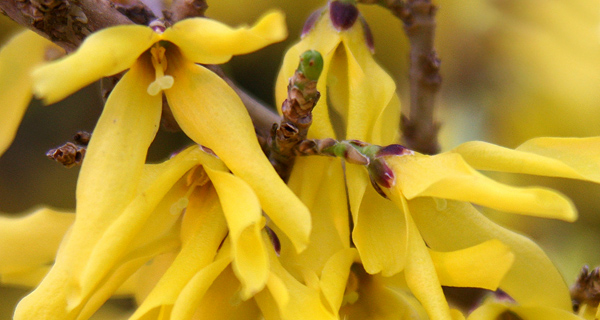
(274, 240)
(343, 15)
(394, 150)
(382, 173)
(368, 34)
(311, 21)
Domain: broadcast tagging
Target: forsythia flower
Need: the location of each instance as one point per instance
(205, 107)
(431, 195)
(18, 58)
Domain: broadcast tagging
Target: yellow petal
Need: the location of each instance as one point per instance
(208, 41)
(533, 279)
(421, 275)
(335, 276)
(102, 54)
(31, 241)
(495, 310)
(210, 113)
(480, 266)
(380, 234)
(17, 58)
(448, 176)
(319, 183)
(222, 302)
(114, 161)
(196, 288)
(576, 158)
(206, 229)
(245, 221)
(287, 298)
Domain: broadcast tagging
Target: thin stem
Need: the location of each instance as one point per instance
(64, 22)
(419, 128)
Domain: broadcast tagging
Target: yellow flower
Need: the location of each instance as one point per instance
(493, 310)
(18, 58)
(206, 108)
(431, 196)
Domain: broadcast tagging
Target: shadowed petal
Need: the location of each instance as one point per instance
(208, 41)
(494, 310)
(205, 230)
(576, 158)
(102, 54)
(31, 241)
(480, 266)
(210, 113)
(17, 58)
(533, 279)
(335, 276)
(448, 176)
(245, 221)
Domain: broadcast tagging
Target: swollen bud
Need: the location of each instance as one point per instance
(311, 64)
(343, 14)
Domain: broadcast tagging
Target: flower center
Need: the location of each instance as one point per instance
(159, 62)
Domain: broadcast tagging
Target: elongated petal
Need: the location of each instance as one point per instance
(206, 229)
(480, 266)
(31, 241)
(245, 221)
(196, 288)
(114, 161)
(380, 234)
(287, 298)
(532, 280)
(208, 41)
(448, 176)
(102, 54)
(319, 183)
(494, 310)
(335, 276)
(211, 114)
(222, 302)
(421, 275)
(17, 58)
(576, 158)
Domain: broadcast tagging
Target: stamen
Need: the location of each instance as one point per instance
(159, 62)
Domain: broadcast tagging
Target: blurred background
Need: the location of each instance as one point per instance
(512, 70)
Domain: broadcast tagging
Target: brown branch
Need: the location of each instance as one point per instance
(181, 9)
(419, 128)
(64, 22)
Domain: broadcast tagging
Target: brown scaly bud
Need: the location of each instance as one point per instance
(297, 112)
(82, 138)
(586, 289)
(68, 154)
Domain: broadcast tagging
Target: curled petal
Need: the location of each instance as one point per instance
(448, 176)
(245, 221)
(480, 266)
(210, 113)
(576, 158)
(335, 276)
(532, 280)
(102, 54)
(17, 58)
(208, 41)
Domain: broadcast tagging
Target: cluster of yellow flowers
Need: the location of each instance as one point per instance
(215, 233)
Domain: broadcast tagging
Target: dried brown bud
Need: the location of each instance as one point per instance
(68, 154)
(586, 289)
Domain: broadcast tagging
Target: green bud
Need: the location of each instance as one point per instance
(311, 64)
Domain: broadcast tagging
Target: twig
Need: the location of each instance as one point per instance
(297, 112)
(420, 128)
(64, 22)
(181, 9)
